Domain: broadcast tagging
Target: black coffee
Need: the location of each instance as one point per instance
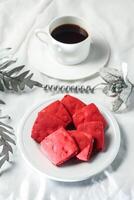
(69, 33)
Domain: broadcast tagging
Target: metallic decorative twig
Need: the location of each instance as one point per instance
(116, 85)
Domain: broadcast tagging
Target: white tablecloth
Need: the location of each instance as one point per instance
(18, 20)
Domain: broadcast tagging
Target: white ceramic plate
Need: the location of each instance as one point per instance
(71, 171)
(39, 58)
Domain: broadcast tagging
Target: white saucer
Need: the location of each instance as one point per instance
(71, 171)
(40, 59)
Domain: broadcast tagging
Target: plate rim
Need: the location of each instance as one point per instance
(81, 178)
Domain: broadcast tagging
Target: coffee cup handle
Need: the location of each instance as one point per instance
(38, 34)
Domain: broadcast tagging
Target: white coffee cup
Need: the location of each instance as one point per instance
(64, 53)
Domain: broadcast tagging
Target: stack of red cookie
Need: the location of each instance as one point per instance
(69, 128)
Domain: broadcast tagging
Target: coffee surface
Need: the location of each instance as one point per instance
(69, 33)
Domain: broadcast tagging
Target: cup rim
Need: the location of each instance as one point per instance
(73, 16)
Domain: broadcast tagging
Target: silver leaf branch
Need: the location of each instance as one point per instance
(11, 79)
(6, 142)
(117, 85)
(14, 78)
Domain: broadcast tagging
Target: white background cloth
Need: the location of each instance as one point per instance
(18, 20)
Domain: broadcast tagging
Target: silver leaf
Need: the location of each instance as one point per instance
(36, 83)
(2, 129)
(110, 75)
(1, 86)
(2, 102)
(117, 104)
(7, 138)
(5, 125)
(15, 70)
(126, 92)
(7, 64)
(29, 83)
(2, 142)
(108, 92)
(23, 75)
(6, 81)
(14, 85)
(2, 161)
(4, 150)
(22, 85)
(106, 89)
(7, 157)
(124, 68)
(8, 147)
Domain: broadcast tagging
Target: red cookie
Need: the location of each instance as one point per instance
(57, 109)
(59, 147)
(44, 125)
(85, 143)
(72, 104)
(87, 114)
(97, 131)
(85, 154)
